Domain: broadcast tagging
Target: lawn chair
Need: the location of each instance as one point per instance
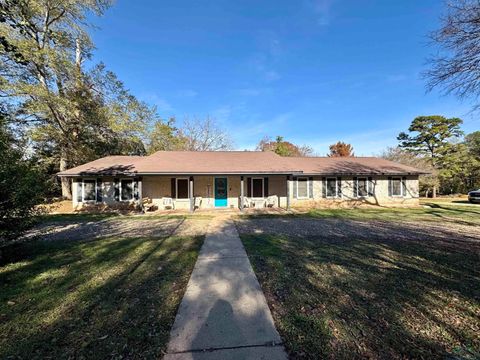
(272, 201)
(168, 203)
(246, 202)
(198, 202)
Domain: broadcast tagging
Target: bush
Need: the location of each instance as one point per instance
(21, 186)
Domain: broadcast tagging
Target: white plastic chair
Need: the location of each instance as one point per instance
(272, 201)
(198, 202)
(168, 203)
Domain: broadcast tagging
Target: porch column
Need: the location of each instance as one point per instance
(241, 193)
(288, 192)
(190, 192)
(140, 192)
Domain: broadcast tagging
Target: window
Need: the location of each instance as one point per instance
(89, 190)
(182, 189)
(257, 187)
(396, 187)
(332, 187)
(126, 189)
(362, 187)
(302, 188)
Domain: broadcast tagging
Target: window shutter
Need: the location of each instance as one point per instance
(79, 189)
(135, 189)
(324, 187)
(265, 186)
(295, 184)
(404, 186)
(339, 187)
(310, 187)
(249, 187)
(99, 190)
(116, 184)
(370, 187)
(173, 189)
(355, 187)
(389, 186)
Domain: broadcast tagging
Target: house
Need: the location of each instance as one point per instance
(236, 179)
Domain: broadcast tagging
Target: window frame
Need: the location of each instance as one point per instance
(336, 188)
(308, 187)
(176, 188)
(83, 190)
(263, 187)
(401, 187)
(367, 187)
(120, 189)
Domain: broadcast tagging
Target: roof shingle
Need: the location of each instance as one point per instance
(237, 162)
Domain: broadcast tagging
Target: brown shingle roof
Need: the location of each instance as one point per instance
(236, 162)
(351, 166)
(109, 165)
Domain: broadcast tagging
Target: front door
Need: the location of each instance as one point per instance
(220, 192)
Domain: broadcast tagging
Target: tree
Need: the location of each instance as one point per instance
(283, 148)
(21, 185)
(74, 115)
(456, 67)
(472, 141)
(203, 135)
(341, 149)
(165, 136)
(430, 136)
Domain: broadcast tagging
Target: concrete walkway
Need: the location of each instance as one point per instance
(224, 314)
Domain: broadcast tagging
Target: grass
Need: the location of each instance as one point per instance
(430, 212)
(107, 298)
(372, 296)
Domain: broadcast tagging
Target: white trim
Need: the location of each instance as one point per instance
(120, 189)
(214, 190)
(263, 188)
(308, 188)
(401, 187)
(336, 188)
(367, 187)
(176, 188)
(83, 190)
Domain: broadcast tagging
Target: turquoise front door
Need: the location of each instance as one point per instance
(220, 192)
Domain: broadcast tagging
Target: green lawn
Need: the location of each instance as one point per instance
(467, 215)
(107, 298)
(371, 295)
(429, 211)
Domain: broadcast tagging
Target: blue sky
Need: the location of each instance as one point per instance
(313, 71)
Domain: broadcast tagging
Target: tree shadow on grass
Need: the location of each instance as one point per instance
(383, 291)
(100, 299)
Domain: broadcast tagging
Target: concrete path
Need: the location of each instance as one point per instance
(224, 314)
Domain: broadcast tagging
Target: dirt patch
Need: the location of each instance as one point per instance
(82, 229)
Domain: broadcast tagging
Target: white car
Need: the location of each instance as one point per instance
(474, 196)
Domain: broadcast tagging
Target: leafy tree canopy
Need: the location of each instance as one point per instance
(341, 149)
(430, 135)
(283, 148)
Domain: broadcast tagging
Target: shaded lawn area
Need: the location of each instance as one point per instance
(75, 217)
(355, 289)
(106, 298)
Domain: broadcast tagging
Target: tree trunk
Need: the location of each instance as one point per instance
(434, 192)
(426, 193)
(66, 185)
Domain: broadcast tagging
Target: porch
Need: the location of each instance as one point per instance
(218, 192)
